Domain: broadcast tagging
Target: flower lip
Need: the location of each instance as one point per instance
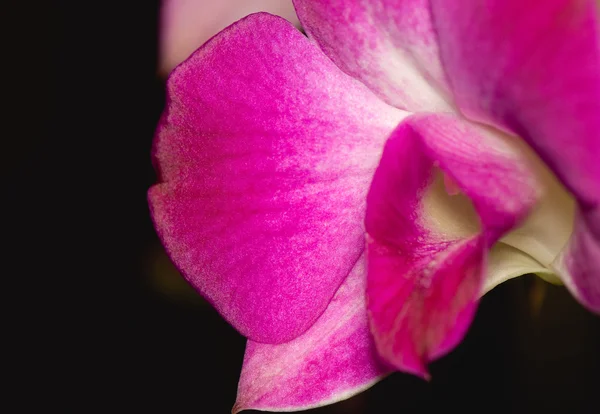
(424, 278)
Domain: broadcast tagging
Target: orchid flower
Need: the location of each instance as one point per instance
(419, 151)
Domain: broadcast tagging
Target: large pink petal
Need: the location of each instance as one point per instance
(425, 267)
(265, 153)
(334, 360)
(533, 68)
(390, 45)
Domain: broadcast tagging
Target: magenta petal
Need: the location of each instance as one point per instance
(533, 68)
(265, 154)
(334, 360)
(390, 45)
(423, 283)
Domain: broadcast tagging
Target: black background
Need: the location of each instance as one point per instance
(103, 323)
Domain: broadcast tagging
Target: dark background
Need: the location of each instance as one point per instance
(107, 323)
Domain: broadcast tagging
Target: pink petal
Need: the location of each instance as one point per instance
(533, 68)
(265, 154)
(425, 273)
(390, 45)
(578, 265)
(334, 360)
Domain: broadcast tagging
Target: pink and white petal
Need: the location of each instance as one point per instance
(332, 361)
(578, 265)
(427, 253)
(390, 45)
(187, 24)
(264, 173)
(533, 69)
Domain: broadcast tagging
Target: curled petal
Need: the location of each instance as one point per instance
(390, 45)
(533, 68)
(265, 153)
(427, 253)
(334, 360)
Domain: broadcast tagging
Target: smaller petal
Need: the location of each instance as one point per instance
(389, 45)
(334, 360)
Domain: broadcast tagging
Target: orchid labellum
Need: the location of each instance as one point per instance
(345, 199)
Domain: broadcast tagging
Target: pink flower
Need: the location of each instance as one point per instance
(458, 139)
